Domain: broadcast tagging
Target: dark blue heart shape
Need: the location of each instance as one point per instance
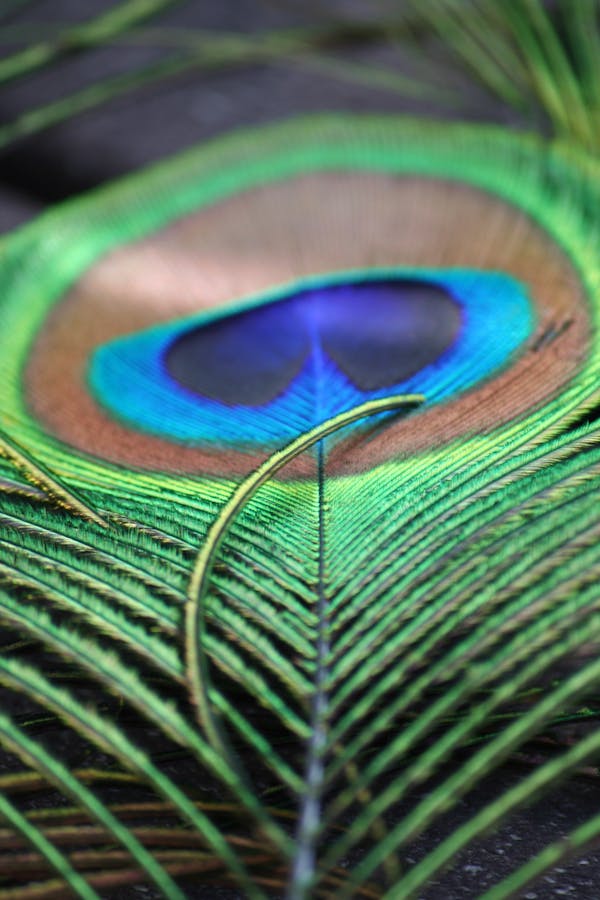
(378, 333)
(264, 372)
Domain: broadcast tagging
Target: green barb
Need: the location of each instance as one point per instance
(40, 476)
(81, 37)
(195, 626)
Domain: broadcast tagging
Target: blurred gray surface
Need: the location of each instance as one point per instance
(159, 120)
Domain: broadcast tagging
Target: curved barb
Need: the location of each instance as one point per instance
(197, 661)
(195, 624)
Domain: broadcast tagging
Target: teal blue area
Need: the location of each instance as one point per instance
(129, 378)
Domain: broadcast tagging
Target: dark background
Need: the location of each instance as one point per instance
(158, 120)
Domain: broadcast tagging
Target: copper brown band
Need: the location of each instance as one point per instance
(281, 232)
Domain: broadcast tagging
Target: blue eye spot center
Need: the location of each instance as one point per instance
(377, 333)
(257, 375)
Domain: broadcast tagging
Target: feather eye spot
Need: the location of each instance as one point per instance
(196, 337)
(276, 367)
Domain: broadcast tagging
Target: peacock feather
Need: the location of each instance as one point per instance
(300, 511)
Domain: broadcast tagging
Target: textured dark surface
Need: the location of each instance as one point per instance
(158, 121)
